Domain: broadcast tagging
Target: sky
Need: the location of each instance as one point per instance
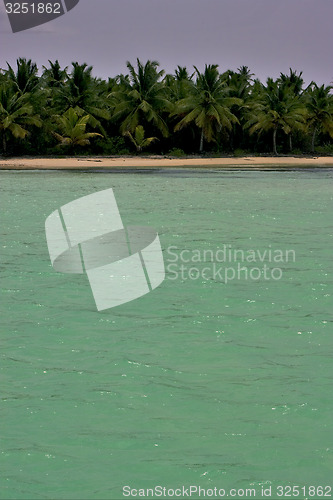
(268, 36)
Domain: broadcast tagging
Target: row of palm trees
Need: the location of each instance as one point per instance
(146, 108)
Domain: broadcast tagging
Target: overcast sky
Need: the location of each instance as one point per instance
(269, 36)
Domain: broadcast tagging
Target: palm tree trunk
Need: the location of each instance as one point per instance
(201, 141)
(274, 142)
(290, 143)
(232, 137)
(4, 143)
(313, 140)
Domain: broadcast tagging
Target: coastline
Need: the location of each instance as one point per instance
(155, 162)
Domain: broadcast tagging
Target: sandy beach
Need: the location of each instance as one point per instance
(163, 162)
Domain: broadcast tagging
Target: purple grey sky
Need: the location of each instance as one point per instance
(269, 36)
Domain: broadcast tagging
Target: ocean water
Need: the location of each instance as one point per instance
(204, 382)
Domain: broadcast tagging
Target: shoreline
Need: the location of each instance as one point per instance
(156, 162)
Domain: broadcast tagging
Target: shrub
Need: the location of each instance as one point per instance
(241, 152)
(176, 152)
(297, 151)
(326, 149)
(112, 146)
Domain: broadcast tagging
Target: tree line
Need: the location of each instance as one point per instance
(69, 111)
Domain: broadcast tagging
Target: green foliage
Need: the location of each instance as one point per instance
(112, 146)
(208, 105)
(319, 105)
(276, 107)
(73, 128)
(79, 91)
(296, 152)
(139, 140)
(326, 149)
(177, 152)
(229, 112)
(240, 152)
(16, 115)
(25, 78)
(141, 97)
(54, 76)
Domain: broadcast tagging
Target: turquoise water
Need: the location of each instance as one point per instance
(200, 382)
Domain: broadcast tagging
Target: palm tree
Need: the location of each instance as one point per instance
(319, 103)
(208, 105)
(73, 128)
(239, 83)
(179, 84)
(292, 81)
(54, 76)
(15, 115)
(25, 79)
(139, 140)
(276, 108)
(82, 92)
(141, 97)
(294, 84)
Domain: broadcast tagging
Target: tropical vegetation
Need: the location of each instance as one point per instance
(68, 111)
